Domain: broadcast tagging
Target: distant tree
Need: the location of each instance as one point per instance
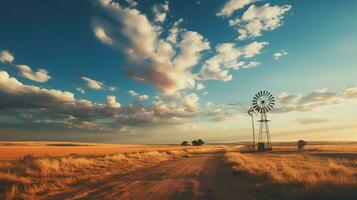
(198, 142)
(301, 144)
(185, 143)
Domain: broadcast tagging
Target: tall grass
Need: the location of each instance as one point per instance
(31, 176)
(296, 168)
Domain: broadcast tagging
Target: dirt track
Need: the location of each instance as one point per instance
(202, 176)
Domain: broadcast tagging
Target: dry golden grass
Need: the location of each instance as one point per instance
(30, 176)
(17, 150)
(297, 168)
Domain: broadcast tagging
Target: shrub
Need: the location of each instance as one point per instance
(301, 144)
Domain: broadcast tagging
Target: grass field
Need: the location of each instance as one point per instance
(31, 169)
(327, 174)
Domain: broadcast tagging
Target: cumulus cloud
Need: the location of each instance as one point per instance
(160, 11)
(233, 5)
(92, 83)
(279, 54)
(228, 56)
(152, 59)
(314, 100)
(40, 76)
(259, 18)
(39, 107)
(112, 103)
(6, 56)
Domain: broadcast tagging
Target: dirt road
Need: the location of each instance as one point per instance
(201, 176)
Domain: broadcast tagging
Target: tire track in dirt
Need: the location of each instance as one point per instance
(201, 176)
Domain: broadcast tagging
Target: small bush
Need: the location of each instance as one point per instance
(301, 144)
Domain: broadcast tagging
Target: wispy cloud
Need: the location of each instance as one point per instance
(305, 121)
(229, 56)
(255, 19)
(93, 83)
(279, 54)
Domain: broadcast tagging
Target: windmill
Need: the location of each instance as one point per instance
(263, 102)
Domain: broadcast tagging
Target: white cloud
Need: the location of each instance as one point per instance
(251, 64)
(253, 49)
(279, 54)
(92, 83)
(149, 55)
(191, 46)
(190, 101)
(160, 11)
(6, 56)
(174, 31)
(205, 93)
(228, 57)
(259, 18)
(112, 103)
(200, 86)
(233, 5)
(40, 76)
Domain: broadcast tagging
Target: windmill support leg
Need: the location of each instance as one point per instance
(253, 132)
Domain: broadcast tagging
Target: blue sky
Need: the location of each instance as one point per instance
(76, 40)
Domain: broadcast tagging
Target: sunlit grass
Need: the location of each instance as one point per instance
(31, 176)
(296, 168)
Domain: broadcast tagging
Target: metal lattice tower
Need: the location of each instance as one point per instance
(263, 102)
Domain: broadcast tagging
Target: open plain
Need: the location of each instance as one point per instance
(175, 172)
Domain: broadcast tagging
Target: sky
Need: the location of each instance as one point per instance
(138, 71)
